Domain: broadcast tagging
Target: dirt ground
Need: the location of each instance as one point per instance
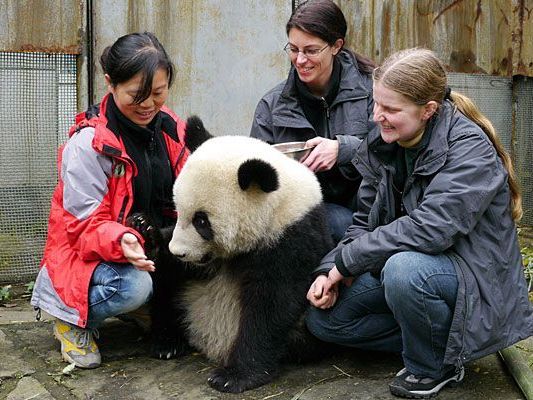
(31, 368)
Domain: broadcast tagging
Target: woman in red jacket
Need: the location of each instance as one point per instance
(122, 156)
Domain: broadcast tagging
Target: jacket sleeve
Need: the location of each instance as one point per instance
(90, 228)
(348, 144)
(452, 204)
(262, 123)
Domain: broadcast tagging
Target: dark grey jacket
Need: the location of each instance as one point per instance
(280, 118)
(457, 203)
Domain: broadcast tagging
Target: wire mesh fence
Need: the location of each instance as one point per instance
(37, 105)
(508, 104)
(523, 128)
(494, 97)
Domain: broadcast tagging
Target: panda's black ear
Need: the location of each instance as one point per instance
(259, 172)
(195, 133)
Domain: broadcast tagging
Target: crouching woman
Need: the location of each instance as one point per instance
(431, 265)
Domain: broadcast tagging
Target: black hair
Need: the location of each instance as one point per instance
(324, 19)
(136, 53)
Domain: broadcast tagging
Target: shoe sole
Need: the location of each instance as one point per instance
(427, 394)
(69, 359)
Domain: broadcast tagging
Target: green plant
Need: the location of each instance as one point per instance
(5, 293)
(527, 256)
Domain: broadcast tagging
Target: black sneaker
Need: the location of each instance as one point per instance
(406, 384)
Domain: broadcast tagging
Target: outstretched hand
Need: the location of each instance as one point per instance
(134, 253)
(324, 155)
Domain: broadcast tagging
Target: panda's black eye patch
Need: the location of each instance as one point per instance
(201, 223)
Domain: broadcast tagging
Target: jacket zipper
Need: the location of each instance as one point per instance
(120, 217)
(180, 156)
(326, 109)
(150, 149)
(122, 210)
(407, 186)
(375, 182)
(121, 214)
(460, 357)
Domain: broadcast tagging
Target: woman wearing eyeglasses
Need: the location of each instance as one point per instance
(326, 101)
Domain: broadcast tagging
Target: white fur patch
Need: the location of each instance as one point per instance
(213, 316)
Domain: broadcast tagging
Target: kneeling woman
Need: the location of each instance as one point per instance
(122, 157)
(431, 266)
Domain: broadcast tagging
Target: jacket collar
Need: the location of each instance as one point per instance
(120, 125)
(288, 113)
(434, 155)
(106, 139)
(333, 86)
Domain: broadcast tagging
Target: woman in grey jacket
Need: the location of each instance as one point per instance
(431, 266)
(326, 101)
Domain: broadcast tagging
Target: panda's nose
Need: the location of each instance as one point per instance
(176, 251)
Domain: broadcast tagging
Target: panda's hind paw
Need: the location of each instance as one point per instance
(233, 381)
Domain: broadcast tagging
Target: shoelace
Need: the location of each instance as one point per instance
(84, 336)
(418, 379)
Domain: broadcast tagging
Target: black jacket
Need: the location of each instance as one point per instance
(279, 117)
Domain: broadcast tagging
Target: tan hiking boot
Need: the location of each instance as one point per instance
(77, 345)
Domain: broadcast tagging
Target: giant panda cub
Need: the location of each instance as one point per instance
(251, 227)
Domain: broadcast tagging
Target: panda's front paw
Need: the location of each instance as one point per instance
(233, 381)
(151, 234)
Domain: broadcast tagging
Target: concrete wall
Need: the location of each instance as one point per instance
(41, 25)
(227, 54)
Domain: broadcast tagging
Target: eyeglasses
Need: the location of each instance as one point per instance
(293, 51)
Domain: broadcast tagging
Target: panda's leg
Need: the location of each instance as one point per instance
(250, 365)
(167, 336)
(268, 314)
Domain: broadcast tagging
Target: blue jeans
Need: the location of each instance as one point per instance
(339, 219)
(116, 289)
(409, 309)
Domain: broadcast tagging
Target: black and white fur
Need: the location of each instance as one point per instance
(251, 224)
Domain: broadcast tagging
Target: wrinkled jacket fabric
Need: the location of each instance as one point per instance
(90, 204)
(279, 118)
(457, 203)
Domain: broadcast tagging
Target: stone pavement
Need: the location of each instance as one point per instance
(31, 368)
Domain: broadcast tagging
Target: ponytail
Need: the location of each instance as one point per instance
(470, 110)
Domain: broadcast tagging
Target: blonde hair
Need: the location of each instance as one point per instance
(421, 77)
